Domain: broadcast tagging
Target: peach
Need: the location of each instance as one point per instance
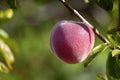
(71, 41)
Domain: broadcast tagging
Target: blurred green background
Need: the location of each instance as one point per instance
(30, 27)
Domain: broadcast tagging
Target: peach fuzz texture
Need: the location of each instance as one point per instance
(71, 41)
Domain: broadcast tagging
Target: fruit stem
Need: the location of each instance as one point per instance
(82, 19)
(119, 16)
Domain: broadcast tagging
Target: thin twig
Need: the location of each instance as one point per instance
(82, 19)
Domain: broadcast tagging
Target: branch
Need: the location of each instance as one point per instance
(82, 19)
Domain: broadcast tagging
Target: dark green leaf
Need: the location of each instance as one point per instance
(106, 4)
(12, 4)
(118, 60)
(112, 68)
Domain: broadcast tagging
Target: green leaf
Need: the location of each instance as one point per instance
(118, 60)
(3, 68)
(100, 76)
(7, 45)
(115, 52)
(86, 1)
(8, 13)
(3, 34)
(10, 42)
(94, 53)
(112, 68)
(106, 4)
(114, 38)
(7, 54)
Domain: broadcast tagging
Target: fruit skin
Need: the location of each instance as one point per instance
(71, 41)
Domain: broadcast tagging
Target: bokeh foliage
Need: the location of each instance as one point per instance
(30, 26)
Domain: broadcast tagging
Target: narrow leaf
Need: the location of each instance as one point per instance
(3, 68)
(10, 42)
(94, 53)
(101, 77)
(3, 34)
(114, 38)
(7, 54)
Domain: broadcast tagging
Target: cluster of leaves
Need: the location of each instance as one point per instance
(113, 62)
(7, 47)
(9, 12)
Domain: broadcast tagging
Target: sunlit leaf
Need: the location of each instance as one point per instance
(6, 14)
(115, 52)
(3, 68)
(10, 42)
(3, 33)
(86, 1)
(7, 54)
(9, 13)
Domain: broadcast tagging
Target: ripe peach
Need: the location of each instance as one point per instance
(71, 41)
